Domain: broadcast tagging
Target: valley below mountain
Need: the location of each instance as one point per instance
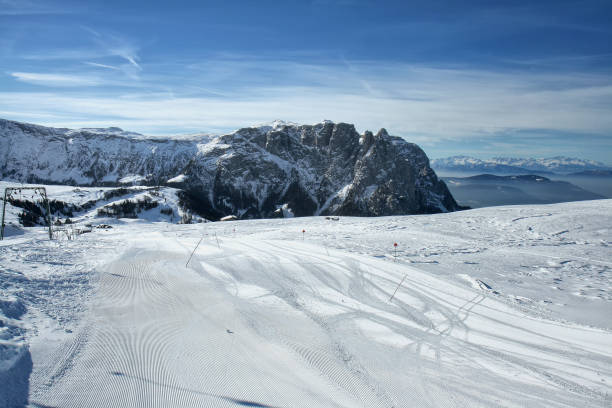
(487, 190)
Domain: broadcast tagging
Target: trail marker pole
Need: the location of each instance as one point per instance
(193, 252)
(395, 252)
(303, 233)
(43, 192)
(398, 286)
(3, 212)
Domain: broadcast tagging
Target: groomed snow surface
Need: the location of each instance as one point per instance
(505, 306)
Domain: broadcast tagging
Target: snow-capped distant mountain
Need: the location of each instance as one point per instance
(326, 168)
(505, 165)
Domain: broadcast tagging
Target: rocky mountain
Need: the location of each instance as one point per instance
(505, 165)
(322, 169)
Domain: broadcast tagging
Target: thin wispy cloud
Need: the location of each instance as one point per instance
(562, 59)
(115, 45)
(56, 80)
(103, 47)
(65, 54)
(95, 64)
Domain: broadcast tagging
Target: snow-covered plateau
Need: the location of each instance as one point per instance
(507, 306)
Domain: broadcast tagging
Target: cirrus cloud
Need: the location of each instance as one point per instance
(55, 80)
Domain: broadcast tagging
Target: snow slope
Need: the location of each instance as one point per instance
(498, 307)
(89, 205)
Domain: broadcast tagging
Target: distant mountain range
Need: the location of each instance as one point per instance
(505, 165)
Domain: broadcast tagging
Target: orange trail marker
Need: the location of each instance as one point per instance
(395, 249)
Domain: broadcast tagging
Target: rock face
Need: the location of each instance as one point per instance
(322, 169)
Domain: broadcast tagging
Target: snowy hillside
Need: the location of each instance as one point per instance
(505, 165)
(507, 306)
(80, 206)
(326, 168)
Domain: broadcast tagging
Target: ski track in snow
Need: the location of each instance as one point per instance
(268, 317)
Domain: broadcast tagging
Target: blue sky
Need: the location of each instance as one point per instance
(483, 78)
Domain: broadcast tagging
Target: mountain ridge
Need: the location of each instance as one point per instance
(322, 169)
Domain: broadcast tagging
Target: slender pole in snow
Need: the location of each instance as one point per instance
(3, 211)
(217, 240)
(303, 232)
(43, 193)
(193, 252)
(398, 286)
